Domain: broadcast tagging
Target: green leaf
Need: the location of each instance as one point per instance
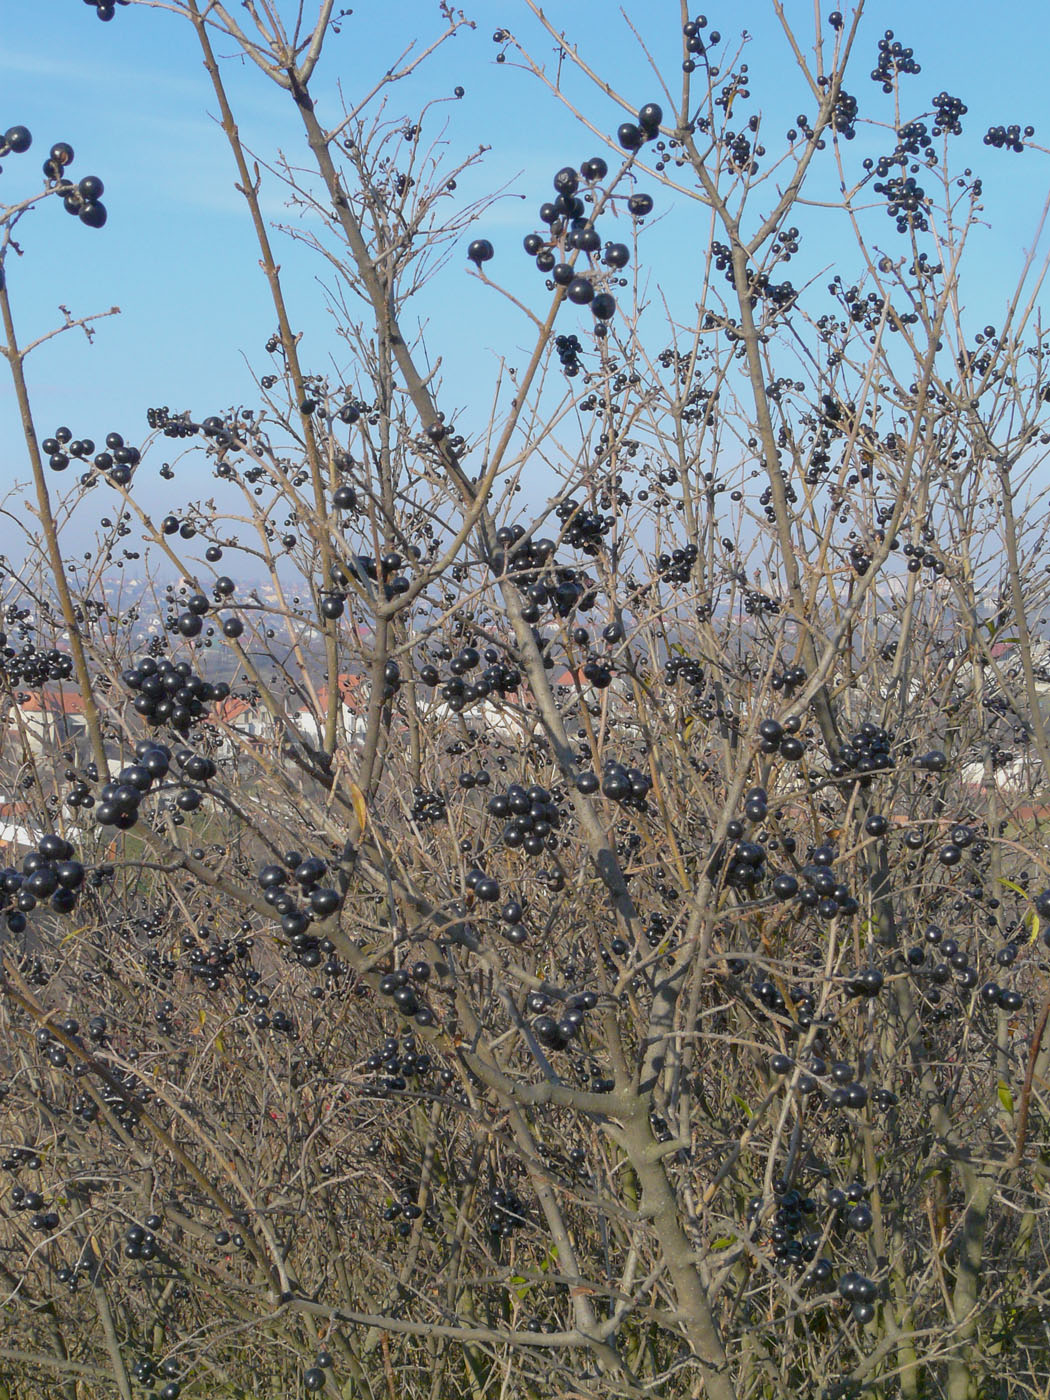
(1005, 1097)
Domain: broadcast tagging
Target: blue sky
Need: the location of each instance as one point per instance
(177, 254)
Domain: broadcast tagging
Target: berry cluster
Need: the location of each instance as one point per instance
(506, 1213)
(1008, 137)
(32, 666)
(405, 987)
(364, 568)
(428, 806)
(145, 1370)
(693, 33)
(905, 202)
(948, 110)
(746, 865)
(402, 1212)
(789, 679)
(844, 115)
(677, 567)
(627, 786)
(141, 1243)
(322, 901)
(170, 692)
(584, 529)
(793, 1213)
(119, 800)
(16, 140)
(530, 565)
(954, 961)
(18, 1157)
(49, 872)
(211, 963)
(160, 419)
(532, 821)
(105, 10)
(569, 351)
(684, 668)
(867, 751)
(44, 1221)
(117, 460)
(823, 892)
(778, 294)
(571, 231)
(556, 1034)
(893, 58)
(497, 678)
(782, 738)
(398, 1062)
(314, 1377)
(914, 140)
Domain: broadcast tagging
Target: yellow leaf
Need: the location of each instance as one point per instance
(1033, 917)
(1005, 1097)
(357, 797)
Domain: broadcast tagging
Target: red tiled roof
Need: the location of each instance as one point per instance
(568, 679)
(232, 708)
(351, 691)
(69, 702)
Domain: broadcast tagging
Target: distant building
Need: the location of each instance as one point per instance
(353, 694)
(19, 832)
(46, 719)
(246, 721)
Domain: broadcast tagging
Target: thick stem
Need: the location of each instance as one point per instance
(15, 359)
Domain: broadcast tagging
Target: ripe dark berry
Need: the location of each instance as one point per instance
(93, 213)
(18, 139)
(480, 251)
(594, 169)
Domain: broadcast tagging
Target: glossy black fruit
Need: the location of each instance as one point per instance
(18, 139)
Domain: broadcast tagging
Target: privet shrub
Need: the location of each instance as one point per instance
(580, 930)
